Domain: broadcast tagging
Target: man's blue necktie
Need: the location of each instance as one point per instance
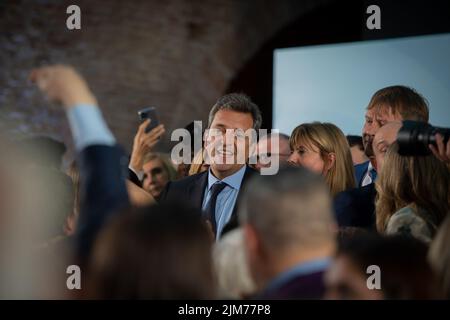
(210, 209)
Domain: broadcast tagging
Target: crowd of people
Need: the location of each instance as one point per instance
(345, 217)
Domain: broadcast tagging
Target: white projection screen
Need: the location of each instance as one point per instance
(334, 83)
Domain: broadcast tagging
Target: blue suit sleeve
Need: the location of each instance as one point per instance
(103, 171)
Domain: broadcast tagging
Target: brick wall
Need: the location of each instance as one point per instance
(177, 55)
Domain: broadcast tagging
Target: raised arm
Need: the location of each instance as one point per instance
(102, 163)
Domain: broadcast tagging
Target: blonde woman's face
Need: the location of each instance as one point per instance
(155, 177)
(308, 157)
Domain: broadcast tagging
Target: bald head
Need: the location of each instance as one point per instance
(384, 137)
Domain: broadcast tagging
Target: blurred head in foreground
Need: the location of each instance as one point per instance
(156, 252)
(439, 257)
(287, 221)
(372, 267)
(233, 276)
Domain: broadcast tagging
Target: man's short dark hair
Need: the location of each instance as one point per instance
(238, 102)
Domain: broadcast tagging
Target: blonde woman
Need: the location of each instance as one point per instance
(412, 195)
(323, 148)
(158, 171)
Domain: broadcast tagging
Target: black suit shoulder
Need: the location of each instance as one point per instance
(189, 190)
(356, 207)
(103, 191)
(249, 172)
(187, 181)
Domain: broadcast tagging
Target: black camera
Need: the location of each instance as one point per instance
(414, 137)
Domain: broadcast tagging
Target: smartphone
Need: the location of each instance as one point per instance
(149, 113)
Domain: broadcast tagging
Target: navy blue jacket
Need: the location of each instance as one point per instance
(360, 171)
(356, 207)
(103, 170)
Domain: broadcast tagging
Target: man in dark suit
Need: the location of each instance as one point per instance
(395, 103)
(355, 207)
(288, 227)
(217, 190)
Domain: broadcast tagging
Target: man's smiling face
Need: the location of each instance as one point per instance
(224, 148)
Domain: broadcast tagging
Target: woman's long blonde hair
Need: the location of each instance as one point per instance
(420, 182)
(328, 139)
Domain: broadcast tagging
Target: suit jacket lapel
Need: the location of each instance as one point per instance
(197, 189)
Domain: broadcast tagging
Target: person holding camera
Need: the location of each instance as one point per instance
(441, 150)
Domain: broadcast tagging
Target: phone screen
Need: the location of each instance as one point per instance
(149, 113)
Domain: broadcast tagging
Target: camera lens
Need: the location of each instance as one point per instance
(414, 137)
